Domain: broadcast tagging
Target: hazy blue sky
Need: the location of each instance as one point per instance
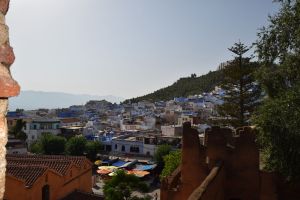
(125, 47)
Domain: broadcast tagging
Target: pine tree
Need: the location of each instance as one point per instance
(242, 92)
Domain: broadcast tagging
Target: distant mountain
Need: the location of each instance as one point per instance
(29, 100)
(184, 87)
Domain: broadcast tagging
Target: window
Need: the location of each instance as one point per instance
(147, 141)
(34, 126)
(116, 146)
(123, 148)
(45, 192)
(108, 147)
(134, 149)
(32, 137)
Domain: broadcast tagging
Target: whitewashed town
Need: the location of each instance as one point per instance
(131, 129)
(147, 100)
(129, 133)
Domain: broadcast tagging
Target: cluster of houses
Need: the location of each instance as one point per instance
(130, 135)
(123, 129)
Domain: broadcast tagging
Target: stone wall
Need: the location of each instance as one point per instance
(8, 87)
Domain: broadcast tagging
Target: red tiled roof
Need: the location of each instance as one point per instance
(29, 174)
(77, 160)
(29, 167)
(59, 166)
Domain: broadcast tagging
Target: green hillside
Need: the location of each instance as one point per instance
(184, 87)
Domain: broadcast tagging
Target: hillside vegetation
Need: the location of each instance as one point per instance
(184, 86)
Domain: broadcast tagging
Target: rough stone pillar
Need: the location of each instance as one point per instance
(8, 88)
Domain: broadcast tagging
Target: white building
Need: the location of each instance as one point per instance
(36, 127)
(127, 144)
(67, 122)
(15, 146)
(135, 144)
(150, 145)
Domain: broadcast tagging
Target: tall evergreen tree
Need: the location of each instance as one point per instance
(242, 92)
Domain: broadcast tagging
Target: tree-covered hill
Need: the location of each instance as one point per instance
(184, 86)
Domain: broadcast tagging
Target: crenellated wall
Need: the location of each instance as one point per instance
(8, 87)
(225, 167)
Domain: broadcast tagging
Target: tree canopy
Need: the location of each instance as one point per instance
(92, 148)
(49, 144)
(162, 151)
(76, 146)
(278, 48)
(172, 161)
(17, 130)
(279, 125)
(121, 185)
